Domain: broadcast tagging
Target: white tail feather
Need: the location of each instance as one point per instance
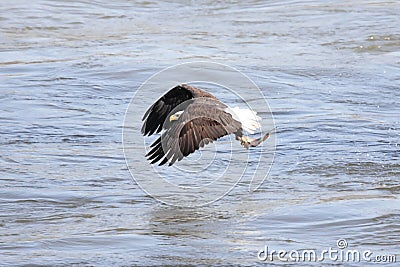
(249, 119)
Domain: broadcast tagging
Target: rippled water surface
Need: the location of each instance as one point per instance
(68, 69)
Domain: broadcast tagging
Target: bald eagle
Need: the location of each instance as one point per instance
(192, 118)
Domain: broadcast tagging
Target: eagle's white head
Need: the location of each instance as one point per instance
(175, 116)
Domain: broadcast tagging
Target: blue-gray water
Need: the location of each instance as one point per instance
(68, 69)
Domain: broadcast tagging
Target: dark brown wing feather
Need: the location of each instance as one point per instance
(156, 115)
(201, 127)
(201, 123)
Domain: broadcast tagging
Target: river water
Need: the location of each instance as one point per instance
(330, 71)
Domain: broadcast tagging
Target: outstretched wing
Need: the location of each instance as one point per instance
(201, 123)
(156, 115)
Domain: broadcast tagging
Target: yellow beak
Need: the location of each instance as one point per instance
(173, 118)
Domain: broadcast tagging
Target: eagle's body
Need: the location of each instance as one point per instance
(191, 119)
